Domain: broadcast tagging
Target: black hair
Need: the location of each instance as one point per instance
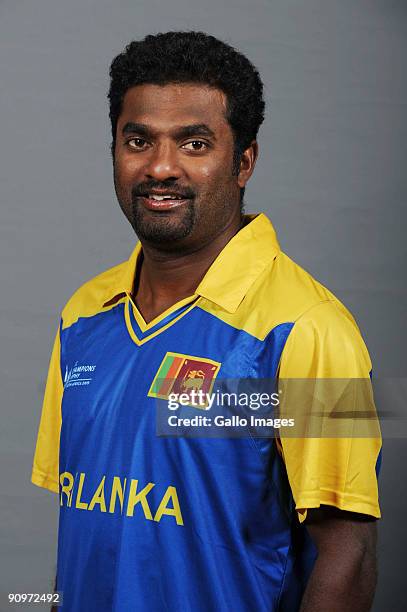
(190, 56)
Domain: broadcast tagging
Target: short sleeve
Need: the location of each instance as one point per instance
(45, 471)
(339, 471)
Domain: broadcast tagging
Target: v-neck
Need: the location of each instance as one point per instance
(141, 332)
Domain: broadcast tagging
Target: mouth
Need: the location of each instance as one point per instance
(164, 202)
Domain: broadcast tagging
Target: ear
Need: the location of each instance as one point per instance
(247, 163)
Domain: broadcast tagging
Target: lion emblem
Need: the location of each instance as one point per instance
(193, 379)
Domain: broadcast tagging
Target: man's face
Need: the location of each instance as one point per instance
(174, 140)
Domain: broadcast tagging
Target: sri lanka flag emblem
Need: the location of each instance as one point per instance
(180, 373)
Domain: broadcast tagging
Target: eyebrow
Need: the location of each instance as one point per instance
(185, 131)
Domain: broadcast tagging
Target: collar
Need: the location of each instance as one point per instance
(232, 273)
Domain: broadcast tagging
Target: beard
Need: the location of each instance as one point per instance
(162, 227)
(170, 230)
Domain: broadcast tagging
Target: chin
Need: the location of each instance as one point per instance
(163, 228)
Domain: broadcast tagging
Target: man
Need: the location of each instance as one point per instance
(171, 523)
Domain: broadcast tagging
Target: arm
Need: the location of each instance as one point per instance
(345, 572)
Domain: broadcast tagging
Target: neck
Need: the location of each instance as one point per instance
(165, 277)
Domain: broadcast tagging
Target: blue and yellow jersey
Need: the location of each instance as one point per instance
(170, 523)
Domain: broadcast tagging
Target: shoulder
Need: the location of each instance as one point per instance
(325, 340)
(286, 293)
(89, 298)
(296, 292)
(317, 314)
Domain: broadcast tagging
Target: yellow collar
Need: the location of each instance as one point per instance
(232, 273)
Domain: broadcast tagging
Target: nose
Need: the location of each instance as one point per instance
(163, 164)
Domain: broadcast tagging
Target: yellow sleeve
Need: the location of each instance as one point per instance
(334, 470)
(45, 471)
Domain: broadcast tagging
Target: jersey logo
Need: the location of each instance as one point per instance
(78, 375)
(184, 374)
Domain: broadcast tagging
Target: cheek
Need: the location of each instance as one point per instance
(213, 173)
(206, 171)
(124, 173)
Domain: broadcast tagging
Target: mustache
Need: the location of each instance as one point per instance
(145, 188)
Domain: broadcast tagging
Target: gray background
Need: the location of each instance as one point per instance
(332, 176)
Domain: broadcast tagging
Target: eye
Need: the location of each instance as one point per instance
(136, 143)
(196, 145)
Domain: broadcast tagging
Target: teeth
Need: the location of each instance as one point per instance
(166, 197)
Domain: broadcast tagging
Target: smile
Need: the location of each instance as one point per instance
(162, 203)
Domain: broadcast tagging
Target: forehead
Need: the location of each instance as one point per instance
(175, 104)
